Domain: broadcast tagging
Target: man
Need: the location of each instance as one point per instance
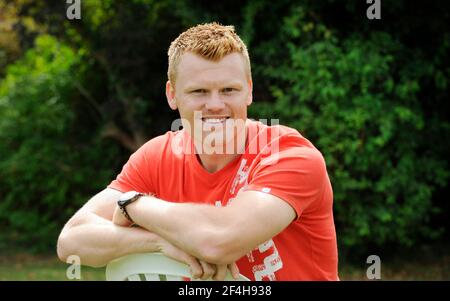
(225, 193)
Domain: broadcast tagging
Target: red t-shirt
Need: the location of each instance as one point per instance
(278, 161)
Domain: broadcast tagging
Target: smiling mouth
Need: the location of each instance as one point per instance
(215, 120)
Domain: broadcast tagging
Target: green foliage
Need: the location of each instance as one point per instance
(358, 100)
(46, 172)
(372, 96)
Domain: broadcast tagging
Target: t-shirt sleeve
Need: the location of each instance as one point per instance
(297, 175)
(136, 174)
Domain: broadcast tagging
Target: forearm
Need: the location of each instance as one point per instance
(201, 230)
(219, 235)
(99, 241)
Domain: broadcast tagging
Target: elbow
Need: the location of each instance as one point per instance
(62, 248)
(219, 256)
(222, 249)
(69, 253)
(211, 255)
(65, 246)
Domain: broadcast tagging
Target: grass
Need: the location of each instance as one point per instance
(438, 269)
(48, 267)
(41, 267)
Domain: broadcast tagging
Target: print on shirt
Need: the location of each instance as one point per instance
(271, 263)
(240, 177)
(265, 260)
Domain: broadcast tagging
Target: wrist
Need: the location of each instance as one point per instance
(132, 212)
(125, 200)
(136, 209)
(150, 213)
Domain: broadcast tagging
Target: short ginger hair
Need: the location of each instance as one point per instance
(211, 41)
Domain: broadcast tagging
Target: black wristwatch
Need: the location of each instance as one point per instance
(126, 199)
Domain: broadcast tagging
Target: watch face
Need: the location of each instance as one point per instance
(127, 196)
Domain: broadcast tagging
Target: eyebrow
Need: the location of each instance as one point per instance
(193, 87)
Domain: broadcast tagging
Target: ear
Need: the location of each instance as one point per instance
(170, 95)
(250, 92)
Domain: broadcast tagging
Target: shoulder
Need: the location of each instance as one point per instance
(282, 147)
(291, 168)
(275, 130)
(280, 138)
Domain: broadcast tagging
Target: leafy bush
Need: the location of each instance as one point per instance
(374, 102)
(358, 100)
(49, 163)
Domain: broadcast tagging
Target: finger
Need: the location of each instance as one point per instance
(221, 272)
(179, 255)
(208, 270)
(234, 270)
(194, 266)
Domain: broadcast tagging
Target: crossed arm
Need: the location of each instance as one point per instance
(218, 235)
(190, 233)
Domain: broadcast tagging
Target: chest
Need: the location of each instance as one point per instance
(187, 184)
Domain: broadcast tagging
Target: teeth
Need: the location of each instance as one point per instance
(214, 120)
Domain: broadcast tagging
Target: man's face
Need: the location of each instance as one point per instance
(212, 97)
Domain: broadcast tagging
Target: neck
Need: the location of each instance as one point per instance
(215, 162)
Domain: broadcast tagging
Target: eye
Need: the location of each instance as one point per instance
(199, 91)
(228, 90)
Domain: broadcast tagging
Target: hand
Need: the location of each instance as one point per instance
(171, 251)
(198, 268)
(218, 272)
(221, 271)
(119, 219)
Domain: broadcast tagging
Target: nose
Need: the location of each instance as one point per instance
(215, 103)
